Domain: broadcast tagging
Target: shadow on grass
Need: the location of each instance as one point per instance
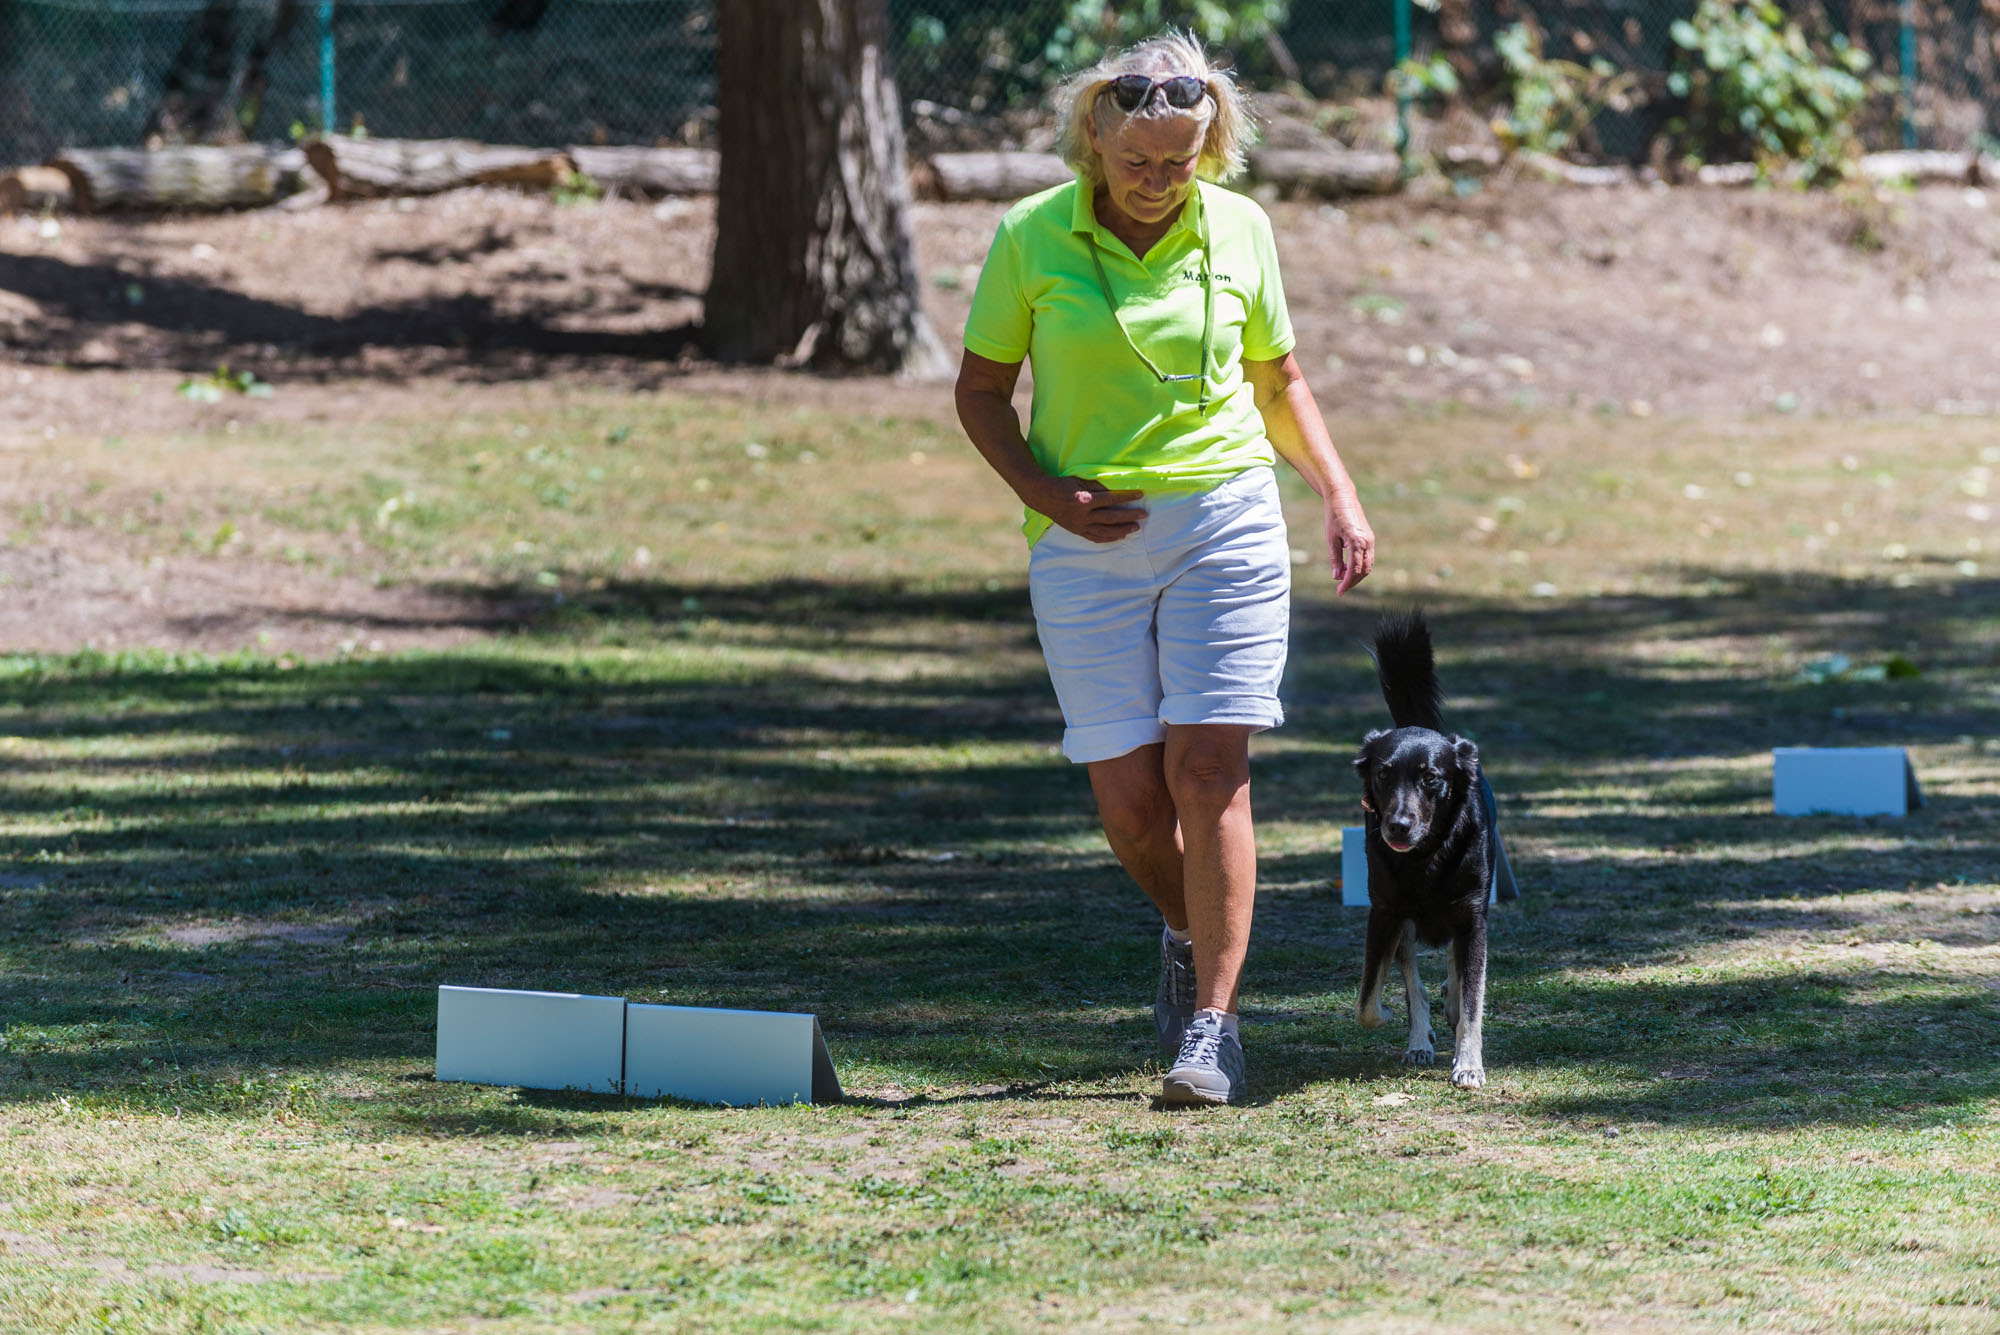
(218, 870)
(196, 323)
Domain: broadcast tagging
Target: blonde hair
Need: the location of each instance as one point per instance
(1081, 101)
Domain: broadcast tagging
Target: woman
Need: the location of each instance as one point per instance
(1165, 389)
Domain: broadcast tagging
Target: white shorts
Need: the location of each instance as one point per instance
(1185, 621)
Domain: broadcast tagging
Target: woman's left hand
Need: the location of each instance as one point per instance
(1349, 542)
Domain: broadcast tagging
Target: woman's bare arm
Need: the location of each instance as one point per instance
(985, 399)
(1297, 431)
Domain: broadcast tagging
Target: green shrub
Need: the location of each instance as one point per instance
(1758, 89)
(1417, 79)
(1092, 26)
(986, 55)
(1551, 103)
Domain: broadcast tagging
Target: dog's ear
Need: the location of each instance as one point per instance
(1364, 766)
(1467, 753)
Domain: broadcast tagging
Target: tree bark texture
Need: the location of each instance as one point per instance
(211, 94)
(815, 263)
(197, 92)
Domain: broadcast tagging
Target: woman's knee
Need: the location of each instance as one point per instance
(1133, 803)
(1205, 772)
(1136, 815)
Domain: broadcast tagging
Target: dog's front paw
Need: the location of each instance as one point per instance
(1371, 1017)
(1468, 1077)
(1419, 1056)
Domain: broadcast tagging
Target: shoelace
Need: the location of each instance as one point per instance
(1200, 1047)
(1180, 982)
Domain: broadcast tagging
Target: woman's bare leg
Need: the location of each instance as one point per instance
(1137, 813)
(1178, 817)
(1208, 772)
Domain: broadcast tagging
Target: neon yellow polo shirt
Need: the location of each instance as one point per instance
(1098, 412)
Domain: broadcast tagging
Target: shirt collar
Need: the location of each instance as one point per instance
(1083, 213)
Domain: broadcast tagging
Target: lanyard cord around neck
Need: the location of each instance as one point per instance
(1207, 314)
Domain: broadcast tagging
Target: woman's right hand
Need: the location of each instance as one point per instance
(1089, 509)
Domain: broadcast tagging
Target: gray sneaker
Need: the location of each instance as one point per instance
(1173, 1004)
(1209, 1068)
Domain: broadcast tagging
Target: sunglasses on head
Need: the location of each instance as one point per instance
(1132, 91)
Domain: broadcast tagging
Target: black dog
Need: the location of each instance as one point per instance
(1430, 852)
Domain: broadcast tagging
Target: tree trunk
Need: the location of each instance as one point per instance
(257, 66)
(198, 91)
(814, 258)
(210, 94)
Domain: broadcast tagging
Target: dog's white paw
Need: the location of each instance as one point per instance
(1468, 1077)
(1419, 1056)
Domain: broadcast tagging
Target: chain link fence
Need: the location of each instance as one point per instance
(120, 72)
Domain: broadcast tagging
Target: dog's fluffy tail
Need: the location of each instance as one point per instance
(1407, 671)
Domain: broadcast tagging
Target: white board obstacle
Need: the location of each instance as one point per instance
(1354, 869)
(606, 1045)
(538, 1040)
(1843, 780)
(735, 1057)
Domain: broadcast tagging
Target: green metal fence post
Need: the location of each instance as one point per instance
(326, 116)
(1402, 89)
(1906, 57)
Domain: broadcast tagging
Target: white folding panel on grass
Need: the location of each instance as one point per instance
(740, 1058)
(1354, 869)
(1843, 780)
(537, 1040)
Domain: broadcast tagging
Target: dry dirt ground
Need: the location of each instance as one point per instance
(1520, 297)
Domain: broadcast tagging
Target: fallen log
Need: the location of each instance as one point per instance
(1726, 173)
(1922, 168)
(195, 178)
(34, 190)
(1472, 159)
(1916, 166)
(990, 176)
(379, 168)
(1551, 168)
(649, 173)
(1327, 173)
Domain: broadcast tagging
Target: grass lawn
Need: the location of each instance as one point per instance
(775, 734)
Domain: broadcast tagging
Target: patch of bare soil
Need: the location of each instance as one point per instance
(485, 282)
(242, 929)
(1689, 301)
(1633, 300)
(1683, 300)
(71, 592)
